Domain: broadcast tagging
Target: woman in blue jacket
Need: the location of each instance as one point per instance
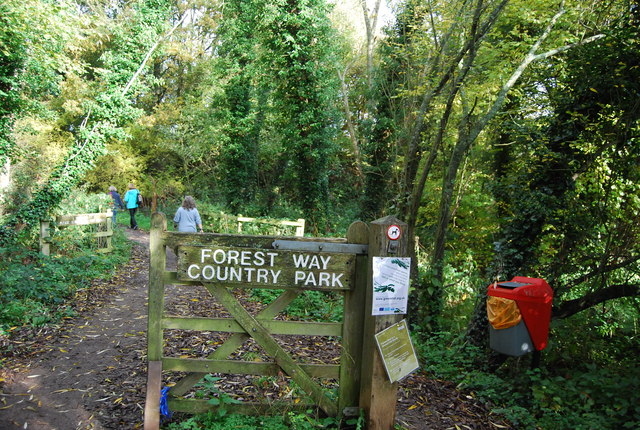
(131, 200)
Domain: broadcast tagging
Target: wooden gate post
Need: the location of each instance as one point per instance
(377, 393)
(351, 358)
(44, 238)
(157, 264)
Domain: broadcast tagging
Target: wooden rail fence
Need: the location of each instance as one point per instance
(103, 221)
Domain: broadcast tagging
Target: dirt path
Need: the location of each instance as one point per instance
(87, 374)
(90, 372)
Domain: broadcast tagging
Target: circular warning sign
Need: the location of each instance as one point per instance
(394, 232)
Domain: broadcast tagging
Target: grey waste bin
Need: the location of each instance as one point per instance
(514, 341)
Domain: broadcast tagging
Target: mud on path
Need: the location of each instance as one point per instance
(89, 372)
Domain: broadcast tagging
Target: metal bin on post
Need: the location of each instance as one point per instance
(519, 313)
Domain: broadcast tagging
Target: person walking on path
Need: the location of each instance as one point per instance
(187, 218)
(131, 199)
(116, 203)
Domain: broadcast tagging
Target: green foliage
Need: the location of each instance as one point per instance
(606, 335)
(36, 287)
(207, 388)
(447, 356)
(79, 202)
(118, 167)
(32, 37)
(105, 114)
(298, 37)
(308, 306)
(238, 107)
(212, 421)
(573, 196)
(589, 399)
(40, 148)
(575, 388)
(289, 421)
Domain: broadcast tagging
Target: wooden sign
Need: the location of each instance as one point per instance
(266, 268)
(396, 350)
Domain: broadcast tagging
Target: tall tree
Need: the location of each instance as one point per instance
(447, 87)
(578, 190)
(569, 214)
(32, 38)
(239, 150)
(299, 42)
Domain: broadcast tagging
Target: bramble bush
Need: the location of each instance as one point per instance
(287, 421)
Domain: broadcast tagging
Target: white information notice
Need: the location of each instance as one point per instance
(390, 285)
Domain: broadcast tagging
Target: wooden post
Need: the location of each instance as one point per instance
(300, 228)
(109, 221)
(377, 393)
(351, 357)
(157, 265)
(44, 238)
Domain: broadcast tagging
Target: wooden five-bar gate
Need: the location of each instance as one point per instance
(221, 263)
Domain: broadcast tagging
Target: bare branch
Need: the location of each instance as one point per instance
(528, 59)
(605, 269)
(349, 119)
(150, 53)
(555, 51)
(572, 307)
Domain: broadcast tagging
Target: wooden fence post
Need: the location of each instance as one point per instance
(44, 238)
(109, 220)
(300, 228)
(157, 264)
(377, 393)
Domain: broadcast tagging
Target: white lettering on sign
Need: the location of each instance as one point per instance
(323, 279)
(244, 258)
(239, 274)
(307, 261)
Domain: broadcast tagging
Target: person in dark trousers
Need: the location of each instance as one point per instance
(131, 200)
(116, 201)
(187, 218)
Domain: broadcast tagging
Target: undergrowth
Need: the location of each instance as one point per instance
(36, 287)
(582, 396)
(287, 421)
(308, 306)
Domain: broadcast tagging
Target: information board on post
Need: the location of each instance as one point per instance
(397, 352)
(390, 285)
